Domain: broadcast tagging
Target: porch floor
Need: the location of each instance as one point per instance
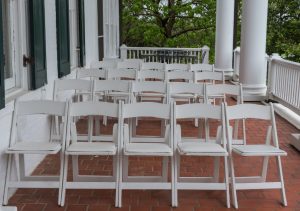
(155, 200)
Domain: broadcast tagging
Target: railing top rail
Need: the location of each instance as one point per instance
(291, 64)
(162, 48)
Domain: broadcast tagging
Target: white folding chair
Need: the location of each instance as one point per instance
(146, 75)
(185, 92)
(34, 113)
(200, 147)
(268, 149)
(133, 64)
(107, 64)
(176, 67)
(125, 74)
(201, 67)
(152, 66)
(209, 77)
(72, 89)
(150, 91)
(100, 147)
(224, 91)
(110, 90)
(90, 73)
(179, 76)
(147, 146)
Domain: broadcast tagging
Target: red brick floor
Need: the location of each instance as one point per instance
(159, 200)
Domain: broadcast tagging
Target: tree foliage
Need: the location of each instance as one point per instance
(191, 23)
(172, 23)
(283, 35)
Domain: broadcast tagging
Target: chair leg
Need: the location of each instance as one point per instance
(227, 181)
(97, 126)
(75, 167)
(120, 180)
(7, 178)
(216, 169)
(64, 182)
(61, 177)
(90, 127)
(265, 168)
(165, 169)
(232, 174)
(280, 172)
(175, 172)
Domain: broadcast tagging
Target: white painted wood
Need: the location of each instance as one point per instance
(269, 148)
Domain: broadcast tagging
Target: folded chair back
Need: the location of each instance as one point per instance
(201, 67)
(90, 73)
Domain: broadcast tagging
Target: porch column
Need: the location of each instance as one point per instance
(224, 35)
(111, 28)
(253, 64)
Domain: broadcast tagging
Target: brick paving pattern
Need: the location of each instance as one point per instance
(160, 200)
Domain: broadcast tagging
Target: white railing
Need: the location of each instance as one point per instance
(168, 55)
(284, 82)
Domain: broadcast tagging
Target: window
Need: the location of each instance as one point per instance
(10, 75)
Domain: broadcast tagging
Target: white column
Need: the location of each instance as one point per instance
(91, 31)
(224, 35)
(111, 28)
(253, 66)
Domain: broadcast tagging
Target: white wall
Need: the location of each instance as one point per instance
(91, 31)
(41, 131)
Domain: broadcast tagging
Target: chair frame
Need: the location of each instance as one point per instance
(146, 109)
(201, 183)
(91, 181)
(27, 108)
(245, 111)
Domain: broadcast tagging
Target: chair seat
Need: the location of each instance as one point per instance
(258, 150)
(92, 148)
(35, 148)
(151, 94)
(201, 149)
(148, 149)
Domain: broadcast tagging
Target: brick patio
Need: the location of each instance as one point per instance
(154, 200)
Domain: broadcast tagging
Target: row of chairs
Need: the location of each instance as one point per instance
(143, 75)
(123, 145)
(139, 64)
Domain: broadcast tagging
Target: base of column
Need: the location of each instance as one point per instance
(4, 208)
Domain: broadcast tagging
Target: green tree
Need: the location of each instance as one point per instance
(168, 23)
(283, 35)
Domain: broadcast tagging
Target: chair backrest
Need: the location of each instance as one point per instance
(129, 64)
(151, 74)
(71, 85)
(37, 107)
(93, 109)
(101, 86)
(146, 109)
(104, 64)
(149, 86)
(152, 66)
(176, 67)
(253, 111)
(118, 74)
(179, 75)
(201, 67)
(202, 111)
(210, 76)
(225, 90)
(186, 88)
(90, 73)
